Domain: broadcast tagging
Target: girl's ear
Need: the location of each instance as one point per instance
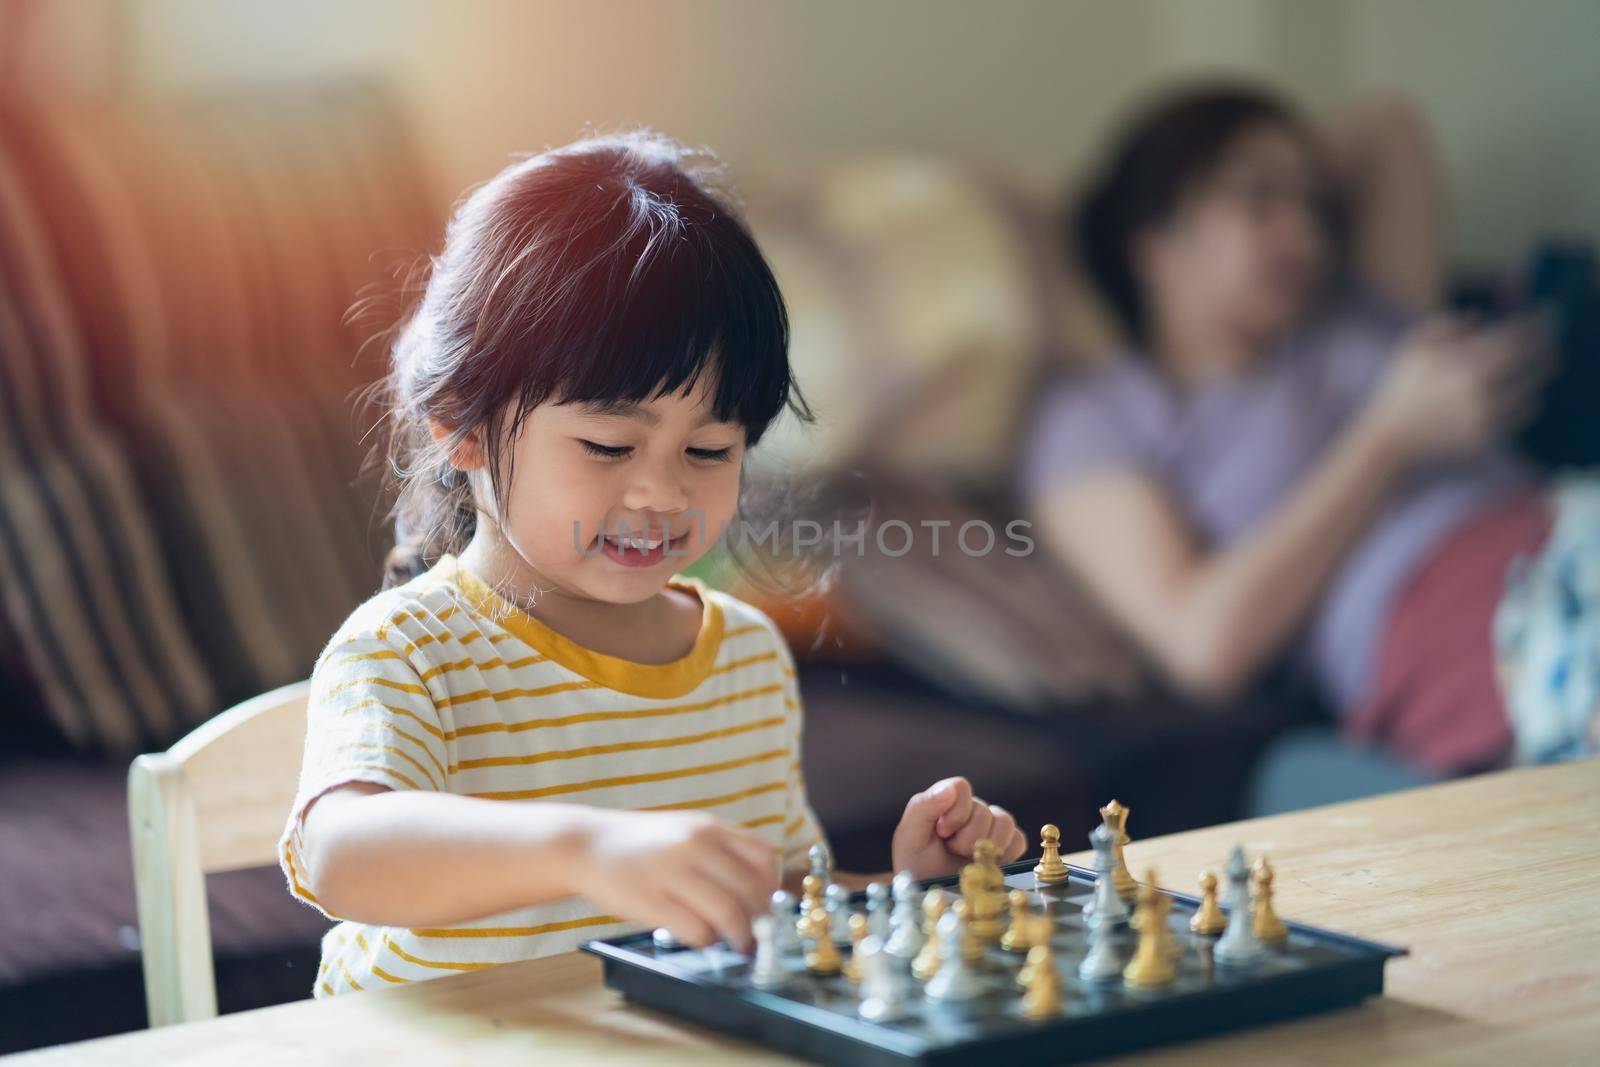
(467, 454)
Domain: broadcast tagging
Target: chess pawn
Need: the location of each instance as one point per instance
(905, 933)
(1115, 817)
(1238, 946)
(878, 910)
(1016, 938)
(784, 937)
(1266, 926)
(955, 979)
(1106, 907)
(1151, 965)
(824, 957)
(837, 901)
(1043, 996)
(1208, 919)
(1050, 871)
(858, 934)
(883, 983)
(1103, 963)
(971, 945)
(767, 972)
(926, 963)
(1040, 930)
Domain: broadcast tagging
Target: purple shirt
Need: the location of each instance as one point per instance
(1229, 452)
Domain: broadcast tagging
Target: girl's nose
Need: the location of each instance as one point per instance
(655, 489)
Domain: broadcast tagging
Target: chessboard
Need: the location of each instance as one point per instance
(1154, 978)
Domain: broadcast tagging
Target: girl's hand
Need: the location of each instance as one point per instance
(1454, 389)
(940, 826)
(699, 878)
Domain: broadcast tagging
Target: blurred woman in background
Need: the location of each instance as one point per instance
(1295, 455)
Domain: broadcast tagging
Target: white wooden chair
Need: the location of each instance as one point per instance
(215, 801)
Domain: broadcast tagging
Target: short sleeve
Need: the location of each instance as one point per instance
(369, 718)
(1085, 425)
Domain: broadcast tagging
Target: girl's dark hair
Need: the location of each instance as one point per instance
(1158, 158)
(606, 270)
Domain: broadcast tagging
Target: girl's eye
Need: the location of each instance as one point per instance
(606, 451)
(714, 455)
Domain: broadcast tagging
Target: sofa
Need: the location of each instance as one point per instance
(192, 301)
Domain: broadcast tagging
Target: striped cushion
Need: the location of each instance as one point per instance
(178, 524)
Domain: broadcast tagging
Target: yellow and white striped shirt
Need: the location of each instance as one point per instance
(442, 684)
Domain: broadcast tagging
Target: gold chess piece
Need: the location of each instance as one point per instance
(1267, 926)
(1116, 820)
(810, 897)
(1041, 928)
(971, 943)
(1050, 871)
(858, 934)
(1043, 996)
(1208, 919)
(823, 958)
(926, 963)
(983, 887)
(1152, 964)
(1016, 939)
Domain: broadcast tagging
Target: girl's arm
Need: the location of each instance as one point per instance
(1211, 620)
(1384, 162)
(422, 858)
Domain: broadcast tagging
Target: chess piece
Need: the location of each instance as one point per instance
(1042, 998)
(1116, 820)
(905, 933)
(926, 963)
(810, 899)
(821, 862)
(985, 900)
(1208, 919)
(837, 901)
(1016, 938)
(1103, 963)
(665, 940)
(1266, 925)
(1106, 907)
(768, 972)
(1040, 928)
(1151, 966)
(858, 934)
(971, 944)
(1238, 946)
(824, 957)
(955, 979)
(884, 991)
(784, 937)
(878, 910)
(1050, 871)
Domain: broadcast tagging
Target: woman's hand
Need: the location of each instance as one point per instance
(1454, 389)
(941, 825)
(699, 878)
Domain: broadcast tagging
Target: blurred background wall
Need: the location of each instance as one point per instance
(1028, 88)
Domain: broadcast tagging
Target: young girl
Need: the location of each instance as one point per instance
(547, 735)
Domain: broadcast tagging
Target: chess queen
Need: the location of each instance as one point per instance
(539, 731)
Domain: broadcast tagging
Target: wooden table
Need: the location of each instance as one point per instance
(1493, 883)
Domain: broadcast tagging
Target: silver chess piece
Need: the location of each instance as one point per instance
(785, 938)
(905, 921)
(1103, 963)
(1107, 908)
(821, 862)
(885, 987)
(1238, 946)
(878, 910)
(665, 940)
(768, 971)
(955, 980)
(836, 898)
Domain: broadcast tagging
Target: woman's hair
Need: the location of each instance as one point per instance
(606, 270)
(1159, 157)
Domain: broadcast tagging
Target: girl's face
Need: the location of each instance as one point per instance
(608, 503)
(1245, 251)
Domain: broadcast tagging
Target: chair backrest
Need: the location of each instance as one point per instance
(215, 801)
